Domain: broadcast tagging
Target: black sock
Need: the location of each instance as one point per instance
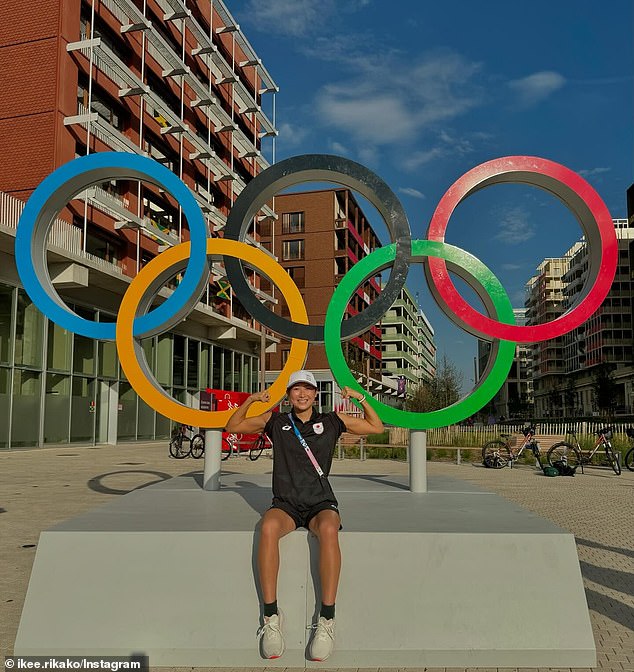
(270, 609)
(327, 611)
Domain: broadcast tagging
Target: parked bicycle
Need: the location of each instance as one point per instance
(629, 456)
(571, 454)
(230, 446)
(498, 453)
(258, 446)
(181, 444)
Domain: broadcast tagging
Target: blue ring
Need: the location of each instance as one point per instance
(34, 218)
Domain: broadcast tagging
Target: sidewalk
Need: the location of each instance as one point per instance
(39, 488)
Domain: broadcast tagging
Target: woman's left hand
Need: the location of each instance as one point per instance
(347, 393)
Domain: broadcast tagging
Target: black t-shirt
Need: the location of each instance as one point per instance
(295, 479)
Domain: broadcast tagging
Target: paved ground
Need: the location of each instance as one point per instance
(41, 487)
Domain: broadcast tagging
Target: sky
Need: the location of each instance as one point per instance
(421, 92)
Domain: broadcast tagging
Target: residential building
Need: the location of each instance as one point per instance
(175, 81)
(318, 236)
(515, 397)
(606, 338)
(409, 350)
(544, 303)
(565, 368)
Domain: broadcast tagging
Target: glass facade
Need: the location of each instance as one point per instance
(58, 388)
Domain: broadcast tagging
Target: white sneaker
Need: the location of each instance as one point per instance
(324, 640)
(271, 638)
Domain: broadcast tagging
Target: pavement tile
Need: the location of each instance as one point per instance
(39, 488)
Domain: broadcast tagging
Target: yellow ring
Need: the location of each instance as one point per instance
(153, 394)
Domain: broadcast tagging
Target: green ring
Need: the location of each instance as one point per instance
(497, 301)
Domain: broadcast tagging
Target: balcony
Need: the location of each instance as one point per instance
(116, 208)
(172, 66)
(63, 237)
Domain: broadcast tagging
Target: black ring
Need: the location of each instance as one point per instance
(319, 168)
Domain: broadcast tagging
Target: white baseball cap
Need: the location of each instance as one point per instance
(301, 377)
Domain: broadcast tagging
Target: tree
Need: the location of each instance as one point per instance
(442, 391)
(604, 388)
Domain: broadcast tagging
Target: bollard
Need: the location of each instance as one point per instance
(362, 449)
(458, 456)
(417, 454)
(339, 449)
(213, 448)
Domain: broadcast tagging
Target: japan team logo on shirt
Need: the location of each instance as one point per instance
(318, 427)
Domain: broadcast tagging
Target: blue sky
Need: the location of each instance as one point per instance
(421, 92)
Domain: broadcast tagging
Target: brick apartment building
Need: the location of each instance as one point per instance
(317, 237)
(175, 81)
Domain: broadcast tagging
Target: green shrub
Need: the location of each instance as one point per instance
(379, 438)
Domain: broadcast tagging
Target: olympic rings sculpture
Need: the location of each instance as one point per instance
(136, 321)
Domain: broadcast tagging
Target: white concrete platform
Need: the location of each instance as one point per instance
(455, 577)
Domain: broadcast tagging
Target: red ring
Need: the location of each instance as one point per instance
(533, 168)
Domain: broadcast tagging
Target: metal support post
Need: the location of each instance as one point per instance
(213, 448)
(417, 461)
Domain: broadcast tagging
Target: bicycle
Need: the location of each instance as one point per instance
(629, 456)
(181, 445)
(197, 446)
(227, 448)
(571, 454)
(258, 446)
(497, 454)
(230, 445)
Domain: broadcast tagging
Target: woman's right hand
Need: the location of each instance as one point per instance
(264, 396)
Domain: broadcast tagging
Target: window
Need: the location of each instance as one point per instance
(293, 222)
(298, 275)
(100, 103)
(292, 249)
(102, 245)
(264, 227)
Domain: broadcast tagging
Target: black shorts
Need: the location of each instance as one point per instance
(302, 517)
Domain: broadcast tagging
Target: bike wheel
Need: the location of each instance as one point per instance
(177, 447)
(629, 459)
(197, 446)
(564, 452)
(225, 449)
(613, 459)
(256, 448)
(495, 454)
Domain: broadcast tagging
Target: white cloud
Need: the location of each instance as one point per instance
(286, 17)
(590, 172)
(514, 227)
(390, 100)
(291, 135)
(446, 145)
(338, 148)
(512, 267)
(369, 155)
(537, 87)
(294, 18)
(418, 159)
(410, 191)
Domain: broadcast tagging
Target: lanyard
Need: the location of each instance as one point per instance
(309, 452)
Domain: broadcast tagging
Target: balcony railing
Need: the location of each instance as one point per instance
(62, 234)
